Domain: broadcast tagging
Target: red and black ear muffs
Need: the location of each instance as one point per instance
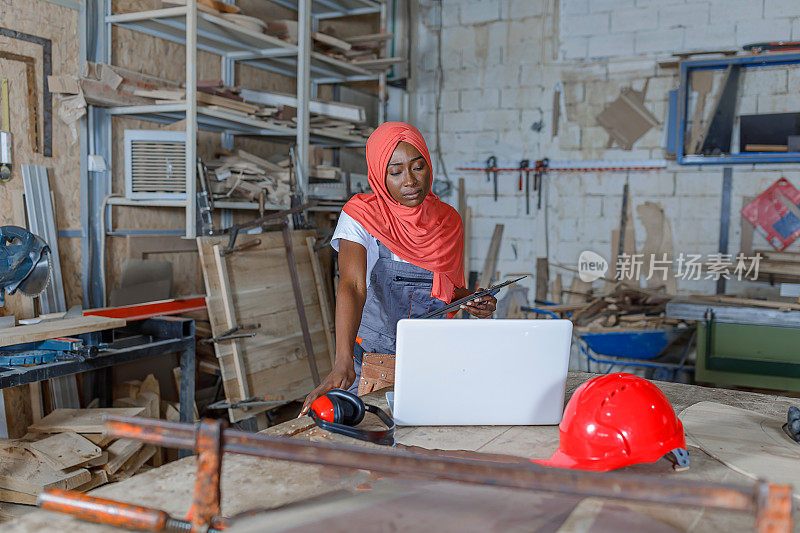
(338, 411)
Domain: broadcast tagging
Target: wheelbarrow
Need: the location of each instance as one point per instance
(640, 348)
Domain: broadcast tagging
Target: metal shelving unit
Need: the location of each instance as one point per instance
(202, 31)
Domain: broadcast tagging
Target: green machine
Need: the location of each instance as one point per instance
(745, 346)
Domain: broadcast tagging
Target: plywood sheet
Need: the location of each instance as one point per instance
(745, 441)
(274, 361)
(57, 328)
(81, 420)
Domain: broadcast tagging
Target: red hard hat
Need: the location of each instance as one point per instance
(617, 420)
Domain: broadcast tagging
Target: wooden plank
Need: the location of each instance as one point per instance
(747, 302)
(25, 473)
(490, 263)
(786, 268)
(16, 410)
(578, 291)
(13, 496)
(542, 275)
(556, 289)
(133, 464)
(368, 38)
(466, 213)
(119, 452)
(230, 317)
(37, 407)
(467, 234)
(64, 450)
(80, 420)
(213, 99)
(100, 460)
(327, 319)
(331, 41)
(57, 328)
(99, 477)
(766, 148)
(774, 255)
(99, 439)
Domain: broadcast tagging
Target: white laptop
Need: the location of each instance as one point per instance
(480, 372)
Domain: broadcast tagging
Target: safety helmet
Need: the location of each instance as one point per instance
(617, 420)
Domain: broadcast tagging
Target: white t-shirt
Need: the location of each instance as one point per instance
(350, 230)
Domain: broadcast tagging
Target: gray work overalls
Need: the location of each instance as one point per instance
(396, 290)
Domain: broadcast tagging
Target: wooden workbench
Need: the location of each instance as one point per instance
(249, 483)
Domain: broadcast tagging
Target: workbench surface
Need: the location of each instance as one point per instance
(249, 482)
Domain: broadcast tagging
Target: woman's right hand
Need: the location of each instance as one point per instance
(339, 378)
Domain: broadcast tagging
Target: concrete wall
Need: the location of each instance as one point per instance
(501, 63)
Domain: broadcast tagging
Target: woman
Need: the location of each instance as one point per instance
(400, 254)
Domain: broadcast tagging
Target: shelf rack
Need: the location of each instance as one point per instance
(744, 62)
(203, 31)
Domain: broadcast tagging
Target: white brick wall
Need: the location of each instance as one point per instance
(499, 78)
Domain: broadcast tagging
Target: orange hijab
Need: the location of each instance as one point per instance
(428, 236)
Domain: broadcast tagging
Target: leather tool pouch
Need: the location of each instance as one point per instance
(377, 372)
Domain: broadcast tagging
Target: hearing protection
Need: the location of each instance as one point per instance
(338, 411)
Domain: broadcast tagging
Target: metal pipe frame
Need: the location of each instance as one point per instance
(323, 81)
(261, 54)
(179, 11)
(191, 118)
(303, 93)
(767, 502)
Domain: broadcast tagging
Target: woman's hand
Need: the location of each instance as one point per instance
(482, 307)
(341, 377)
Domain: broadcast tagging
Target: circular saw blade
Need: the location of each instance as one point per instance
(36, 282)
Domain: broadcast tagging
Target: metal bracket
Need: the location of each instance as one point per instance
(231, 333)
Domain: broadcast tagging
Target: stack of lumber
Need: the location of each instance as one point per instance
(326, 125)
(245, 175)
(366, 51)
(67, 450)
(102, 85)
(624, 309)
(221, 98)
(253, 286)
(213, 95)
(779, 267)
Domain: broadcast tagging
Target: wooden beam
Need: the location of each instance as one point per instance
(542, 275)
(230, 318)
(490, 264)
(57, 328)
